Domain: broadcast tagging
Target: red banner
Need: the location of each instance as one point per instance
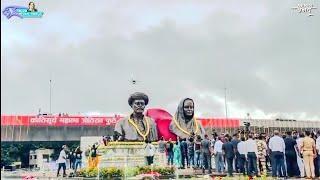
(59, 120)
(221, 123)
(159, 115)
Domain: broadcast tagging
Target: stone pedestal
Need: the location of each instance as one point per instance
(119, 154)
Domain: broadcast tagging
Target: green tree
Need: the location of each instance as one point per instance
(9, 154)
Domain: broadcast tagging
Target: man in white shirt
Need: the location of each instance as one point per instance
(217, 151)
(252, 153)
(242, 156)
(62, 160)
(150, 150)
(277, 147)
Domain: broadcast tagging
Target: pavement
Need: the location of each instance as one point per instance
(180, 173)
(20, 174)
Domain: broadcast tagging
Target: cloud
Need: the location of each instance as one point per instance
(264, 54)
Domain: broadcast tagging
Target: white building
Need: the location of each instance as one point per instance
(283, 125)
(40, 157)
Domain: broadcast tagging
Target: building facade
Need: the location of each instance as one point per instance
(40, 158)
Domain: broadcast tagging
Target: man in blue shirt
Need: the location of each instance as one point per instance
(206, 153)
(228, 151)
(234, 143)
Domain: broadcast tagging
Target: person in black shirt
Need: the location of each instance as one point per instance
(78, 159)
(291, 156)
(169, 148)
(105, 140)
(72, 159)
(184, 152)
(191, 151)
(94, 151)
(197, 151)
(94, 155)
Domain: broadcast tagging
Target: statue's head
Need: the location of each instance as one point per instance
(138, 102)
(188, 108)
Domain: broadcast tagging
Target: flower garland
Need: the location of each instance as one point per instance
(185, 131)
(116, 143)
(138, 130)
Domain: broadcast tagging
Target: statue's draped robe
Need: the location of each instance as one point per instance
(187, 126)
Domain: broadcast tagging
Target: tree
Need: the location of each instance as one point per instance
(9, 154)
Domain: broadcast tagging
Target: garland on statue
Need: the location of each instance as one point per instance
(138, 130)
(116, 143)
(185, 131)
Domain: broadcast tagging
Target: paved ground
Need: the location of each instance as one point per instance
(19, 174)
(181, 173)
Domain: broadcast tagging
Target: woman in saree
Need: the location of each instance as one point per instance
(177, 154)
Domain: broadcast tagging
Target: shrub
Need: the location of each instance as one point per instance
(112, 172)
(115, 172)
(93, 172)
(164, 170)
(144, 169)
(132, 172)
(83, 172)
(160, 170)
(103, 172)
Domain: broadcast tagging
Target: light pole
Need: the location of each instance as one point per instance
(225, 102)
(50, 97)
(225, 105)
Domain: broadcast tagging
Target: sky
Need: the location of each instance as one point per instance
(252, 57)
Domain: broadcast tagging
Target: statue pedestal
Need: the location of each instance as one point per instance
(119, 154)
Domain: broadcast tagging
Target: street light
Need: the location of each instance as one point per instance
(50, 97)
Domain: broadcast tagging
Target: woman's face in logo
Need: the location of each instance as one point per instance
(31, 6)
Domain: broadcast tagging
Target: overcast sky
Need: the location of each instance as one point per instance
(265, 54)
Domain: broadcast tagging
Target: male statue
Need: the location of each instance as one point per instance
(137, 126)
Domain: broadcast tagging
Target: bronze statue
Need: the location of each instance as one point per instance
(183, 123)
(137, 126)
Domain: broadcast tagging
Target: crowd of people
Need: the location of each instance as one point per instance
(288, 154)
(71, 157)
